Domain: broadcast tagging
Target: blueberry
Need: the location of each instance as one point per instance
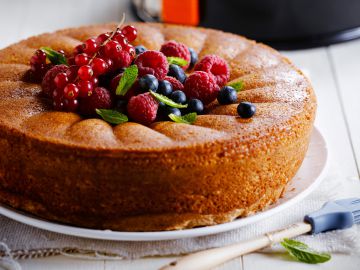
(227, 95)
(194, 57)
(178, 97)
(246, 109)
(165, 88)
(172, 110)
(140, 49)
(177, 72)
(148, 82)
(195, 105)
(164, 111)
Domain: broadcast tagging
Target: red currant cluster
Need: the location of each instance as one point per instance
(39, 65)
(107, 53)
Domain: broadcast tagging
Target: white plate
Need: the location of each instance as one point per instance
(306, 180)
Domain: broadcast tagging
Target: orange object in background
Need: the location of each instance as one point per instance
(181, 12)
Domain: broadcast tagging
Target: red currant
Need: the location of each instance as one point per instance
(79, 49)
(90, 46)
(41, 55)
(99, 66)
(61, 80)
(112, 48)
(58, 104)
(130, 49)
(121, 39)
(71, 105)
(85, 73)
(58, 94)
(71, 91)
(85, 88)
(81, 59)
(102, 38)
(130, 32)
(110, 64)
(94, 81)
(72, 73)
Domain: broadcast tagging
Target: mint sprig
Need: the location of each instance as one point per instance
(127, 80)
(112, 116)
(185, 119)
(177, 61)
(168, 101)
(238, 86)
(303, 252)
(54, 57)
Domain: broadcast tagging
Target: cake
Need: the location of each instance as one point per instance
(165, 176)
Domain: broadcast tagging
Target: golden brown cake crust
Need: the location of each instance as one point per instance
(166, 176)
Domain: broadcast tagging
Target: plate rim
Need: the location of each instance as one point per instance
(31, 220)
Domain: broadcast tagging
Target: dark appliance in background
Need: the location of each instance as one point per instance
(283, 24)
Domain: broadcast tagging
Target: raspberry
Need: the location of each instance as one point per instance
(173, 48)
(48, 84)
(143, 108)
(215, 65)
(100, 99)
(201, 85)
(122, 60)
(152, 62)
(177, 85)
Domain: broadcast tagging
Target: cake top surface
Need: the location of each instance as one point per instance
(279, 90)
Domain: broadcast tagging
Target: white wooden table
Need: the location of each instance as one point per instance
(335, 74)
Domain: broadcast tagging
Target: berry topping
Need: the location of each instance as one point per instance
(99, 99)
(194, 57)
(130, 32)
(85, 72)
(90, 46)
(195, 105)
(152, 62)
(140, 49)
(246, 109)
(215, 65)
(71, 91)
(134, 90)
(48, 84)
(227, 95)
(148, 82)
(165, 88)
(122, 60)
(177, 72)
(178, 97)
(81, 59)
(38, 66)
(176, 85)
(143, 108)
(112, 49)
(176, 49)
(61, 80)
(201, 85)
(71, 105)
(99, 66)
(85, 88)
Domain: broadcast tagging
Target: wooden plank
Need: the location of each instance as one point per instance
(345, 59)
(62, 262)
(157, 262)
(280, 261)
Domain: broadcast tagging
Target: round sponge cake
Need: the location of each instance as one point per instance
(165, 176)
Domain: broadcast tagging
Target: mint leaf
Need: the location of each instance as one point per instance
(127, 80)
(54, 57)
(303, 252)
(112, 116)
(168, 101)
(185, 119)
(177, 61)
(238, 86)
